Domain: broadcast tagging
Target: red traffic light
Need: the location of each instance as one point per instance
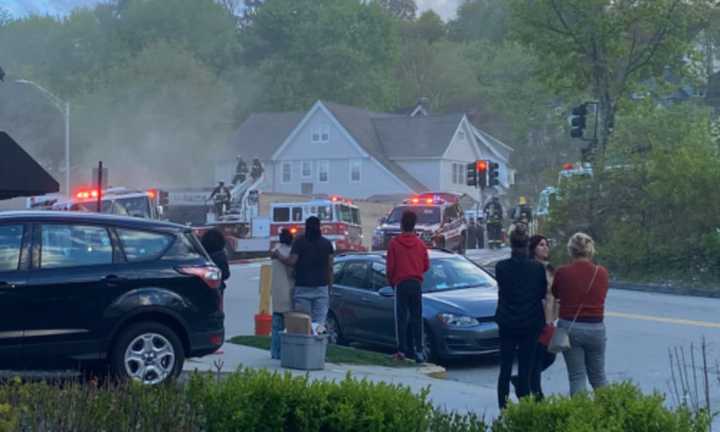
(481, 166)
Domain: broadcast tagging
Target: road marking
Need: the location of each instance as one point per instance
(686, 322)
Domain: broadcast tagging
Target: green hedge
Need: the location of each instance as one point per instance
(257, 400)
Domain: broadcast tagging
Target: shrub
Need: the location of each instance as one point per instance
(617, 408)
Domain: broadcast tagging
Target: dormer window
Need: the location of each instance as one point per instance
(321, 134)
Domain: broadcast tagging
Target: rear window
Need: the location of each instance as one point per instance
(143, 245)
(10, 244)
(185, 247)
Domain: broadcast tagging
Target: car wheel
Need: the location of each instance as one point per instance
(429, 350)
(334, 333)
(147, 352)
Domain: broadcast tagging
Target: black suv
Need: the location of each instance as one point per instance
(136, 295)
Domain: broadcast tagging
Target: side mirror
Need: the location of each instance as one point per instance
(386, 292)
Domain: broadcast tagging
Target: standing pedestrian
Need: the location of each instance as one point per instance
(581, 288)
(214, 243)
(522, 286)
(539, 250)
(282, 287)
(471, 242)
(407, 262)
(312, 257)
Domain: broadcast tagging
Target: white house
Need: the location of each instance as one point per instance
(353, 152)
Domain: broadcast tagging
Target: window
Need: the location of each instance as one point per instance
(451, 213)
(325, 213)
(455, 273)
(354, 274)
(286, 172)
(458, 173)
(378, 277)
(355, 216)
(455, 173)
(324, 171)
(306, 170)
(185, 247)
(281, 214)
(297, 214)
(10, 246)
(74, 245)
(337, 271)
(143, 245)
(355, 170)
(321, 134)
(461, 135)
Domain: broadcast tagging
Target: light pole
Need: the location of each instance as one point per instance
(64, 107)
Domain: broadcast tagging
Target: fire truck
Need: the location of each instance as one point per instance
(339, 221)
(440, 221)
(114, 200)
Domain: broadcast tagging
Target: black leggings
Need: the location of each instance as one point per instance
(522, 342)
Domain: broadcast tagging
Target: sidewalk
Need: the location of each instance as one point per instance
(444, 394)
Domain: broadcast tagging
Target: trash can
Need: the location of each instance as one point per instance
(305, 352)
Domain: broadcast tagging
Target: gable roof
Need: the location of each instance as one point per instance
(263, 133)
(421, 137)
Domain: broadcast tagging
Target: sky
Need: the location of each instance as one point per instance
(445, 8)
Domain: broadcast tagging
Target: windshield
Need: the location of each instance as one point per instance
(137, 207)
(344, 213)
(454, 273)
(425, 215)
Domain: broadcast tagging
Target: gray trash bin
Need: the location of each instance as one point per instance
(304, 352)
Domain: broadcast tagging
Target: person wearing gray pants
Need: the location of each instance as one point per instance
(313, 301)
(581, 288)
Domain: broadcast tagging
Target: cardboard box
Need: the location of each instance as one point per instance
(298, 323)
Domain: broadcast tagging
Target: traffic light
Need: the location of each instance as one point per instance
(493, 174)
(481, 167)
(471, 174)
(578, 121)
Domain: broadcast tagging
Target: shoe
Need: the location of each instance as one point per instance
(398, 356)
(420, 358)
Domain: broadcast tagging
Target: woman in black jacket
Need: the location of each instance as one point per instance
(214, 243)
(522, 285)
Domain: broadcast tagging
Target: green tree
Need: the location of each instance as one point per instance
(339, 50)
(402, 9)
(481, 20)
(607, 47)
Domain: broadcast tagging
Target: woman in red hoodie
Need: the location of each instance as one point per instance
(407, 262)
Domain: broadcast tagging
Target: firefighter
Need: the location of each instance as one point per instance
(522, 210)
(472, 234)
(221, 201)
(241, 171)
(257, 169)
(494, 221)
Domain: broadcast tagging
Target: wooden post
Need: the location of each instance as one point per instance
(265, 286)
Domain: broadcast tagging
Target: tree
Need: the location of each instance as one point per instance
(402, 9)
(607, 47)
(481, 20)
(339, 50)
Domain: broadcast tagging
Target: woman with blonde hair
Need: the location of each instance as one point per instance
(581, 288)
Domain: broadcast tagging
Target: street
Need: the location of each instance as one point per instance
(641, 328)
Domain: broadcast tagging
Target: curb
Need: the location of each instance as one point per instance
(663, 289)
(433, 371)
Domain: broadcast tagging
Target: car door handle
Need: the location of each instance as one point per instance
(113, 278)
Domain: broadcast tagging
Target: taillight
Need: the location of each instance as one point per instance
(211, 275)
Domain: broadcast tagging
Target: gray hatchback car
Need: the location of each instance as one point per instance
(459, 302)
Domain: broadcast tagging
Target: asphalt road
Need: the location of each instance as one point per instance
(642, 327)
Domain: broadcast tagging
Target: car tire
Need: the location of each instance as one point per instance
(147, 352)
(429, 348)
(334, 332)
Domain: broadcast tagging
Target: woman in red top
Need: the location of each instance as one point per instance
(581, 288)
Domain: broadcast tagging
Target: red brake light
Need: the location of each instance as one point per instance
(429, 200)
(568, 166)
(211, 275)
(415, 200)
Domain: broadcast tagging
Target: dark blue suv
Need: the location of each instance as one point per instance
(136, 295)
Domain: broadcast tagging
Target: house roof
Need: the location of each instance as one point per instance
(423, 136)
(263, 133)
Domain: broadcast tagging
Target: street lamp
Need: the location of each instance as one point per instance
(64, 107)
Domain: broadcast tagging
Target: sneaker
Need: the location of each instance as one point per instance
(420, 358)
(398, 356)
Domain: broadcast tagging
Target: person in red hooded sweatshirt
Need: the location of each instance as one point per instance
(407, 262)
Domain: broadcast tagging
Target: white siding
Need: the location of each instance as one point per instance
(302, 145)
(426, 171)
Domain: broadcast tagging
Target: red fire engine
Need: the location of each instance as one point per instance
(339, 219)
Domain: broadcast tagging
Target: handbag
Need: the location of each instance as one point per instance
(560, 340)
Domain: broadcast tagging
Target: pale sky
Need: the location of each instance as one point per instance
(445, 8)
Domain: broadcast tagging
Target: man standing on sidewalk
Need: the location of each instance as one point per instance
(407, 262)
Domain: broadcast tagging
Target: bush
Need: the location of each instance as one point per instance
(616, 408)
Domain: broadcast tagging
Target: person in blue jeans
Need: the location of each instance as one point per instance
(281, 291)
